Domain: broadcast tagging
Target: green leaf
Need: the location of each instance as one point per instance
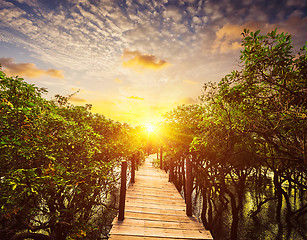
(247, 38)
(256, 33)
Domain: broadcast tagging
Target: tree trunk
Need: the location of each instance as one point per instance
(278, 194)
(235, 215)
(204, 208)
(235, 219)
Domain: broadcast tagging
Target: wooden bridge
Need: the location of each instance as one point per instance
(155, 210)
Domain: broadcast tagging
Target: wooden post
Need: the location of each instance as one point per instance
(161, 152)
(122, 196)
(189, 186)
(171, 170)
(133, 169)
(183, 177)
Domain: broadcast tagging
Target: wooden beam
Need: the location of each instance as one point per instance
(122, 195)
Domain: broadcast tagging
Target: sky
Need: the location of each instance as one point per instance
(135, 60)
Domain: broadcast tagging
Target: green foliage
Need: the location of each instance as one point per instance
(57, 163)
(250, 126)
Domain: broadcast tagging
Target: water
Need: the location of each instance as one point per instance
(263, 225)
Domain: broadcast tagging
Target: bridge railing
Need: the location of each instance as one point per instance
(123, 186)
(188, 180)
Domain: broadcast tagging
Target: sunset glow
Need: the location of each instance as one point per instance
(150, 128)
(134, 60)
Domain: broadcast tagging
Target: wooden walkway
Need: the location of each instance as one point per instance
(155, 210)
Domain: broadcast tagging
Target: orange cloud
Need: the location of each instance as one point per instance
(190, 82)
(76, 99)
(187, 101)
(27, 69)
(229, 37)
(77, 90)
(118, 80)
(135, 98)
(138, 61)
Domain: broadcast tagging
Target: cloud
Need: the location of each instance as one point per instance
(227, 19)
(54, 73)
(138, 61)
(77, 90)
(117, 80)
(77, 99)
(228, 38)
(27, 69)
(173, 12)
(187, 101)
(135, 98)
(178, 43)
(190, 82)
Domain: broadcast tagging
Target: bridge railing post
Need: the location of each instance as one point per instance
(122, 195)
(171, 170)
(161, 155)
(133, 169)
(189, 187)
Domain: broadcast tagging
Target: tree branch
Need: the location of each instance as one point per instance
(35, 236)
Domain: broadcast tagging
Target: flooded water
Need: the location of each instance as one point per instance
(264, 226)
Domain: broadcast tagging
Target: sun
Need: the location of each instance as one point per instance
(150, 128)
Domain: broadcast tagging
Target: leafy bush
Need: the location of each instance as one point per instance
(58, 163)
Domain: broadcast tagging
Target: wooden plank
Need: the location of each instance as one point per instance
(124, 237)
(155, 210)
(160, 232)
(160, 224)
(153, 205)
(147, 195)
(156, 200)
(140, 189)
(160, 217)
